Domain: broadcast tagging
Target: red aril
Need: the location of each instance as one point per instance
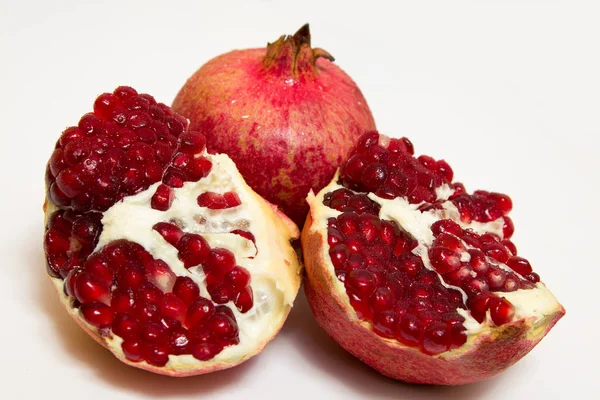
(286, 115)
(140, 264)
(450, 302)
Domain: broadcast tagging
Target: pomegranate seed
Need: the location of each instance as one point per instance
(446, 226)
(170, 324)
(533, 277)
(427, 162)
(497, 251)
(179, 342)
(409, 330)
(374, 175)
(471, 238)
(146, 311)
(193, 249)
(173, 307)
(348, 223)
(220, 261)
(354, 244)
(149, 293)
(355, 261)
(199, 312)
(444, 260)
(334, 237)
(444, 170)
(355, 166)
(199, 168)
(496, 278)
(132, 350)
(244, 300)
(124, 92)
(220, 294)
(488, 238)
(192, 142)
(362, 282)
(99, 269)
(122, 301)
(339, 255)
(502, 201)
(152, 332)
(156, 354)
(411, 264)
(238, 278)
(91, 124)
(205, 351)
(436, 338)
(169, 232)
(162, 198)
(369, 226)
(501, 311)
(159, 274)
(402, 145)
(131, 276)
(519, 265)
(478, 305)
(511, 284)
(125, 326)
(458, 336)
(367, 140)
(214, 201)
(384, 323)
(222, 326)
(448, 241)
(98, 314)
(186, 289)
(89, 289)
(382, 299)
(232, 199)
(173, 178)
(508, 228)
(56, 242)
(476, 286)
(465, 207)
(70, 134)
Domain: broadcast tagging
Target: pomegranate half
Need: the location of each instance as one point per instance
(286, 115)
(158, 249)
(416, 277)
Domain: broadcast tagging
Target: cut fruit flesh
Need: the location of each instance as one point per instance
(419, 275)
(166, 282)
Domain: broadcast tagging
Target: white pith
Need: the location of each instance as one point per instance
(272, 263)
(534, 305)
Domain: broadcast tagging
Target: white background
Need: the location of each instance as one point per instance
(507, 92)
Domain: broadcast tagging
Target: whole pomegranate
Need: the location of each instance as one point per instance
(416, 277)
(158, 249)
(286, 116)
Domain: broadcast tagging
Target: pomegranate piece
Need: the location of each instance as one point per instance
(136, 245)
(424, 265)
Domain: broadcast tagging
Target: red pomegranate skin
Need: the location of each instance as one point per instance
(486, 357)
(286, 115)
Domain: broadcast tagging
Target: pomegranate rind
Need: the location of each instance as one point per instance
(282, 231)
(484, 355)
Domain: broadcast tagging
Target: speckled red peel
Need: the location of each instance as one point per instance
(158, 249)
(416, 277)
(286, 116)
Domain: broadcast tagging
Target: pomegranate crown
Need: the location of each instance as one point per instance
(293, 54)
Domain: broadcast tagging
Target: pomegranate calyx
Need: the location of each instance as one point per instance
(293, 54)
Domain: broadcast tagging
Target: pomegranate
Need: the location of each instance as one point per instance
(158, 249)
(416, 277)
(286, 116)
